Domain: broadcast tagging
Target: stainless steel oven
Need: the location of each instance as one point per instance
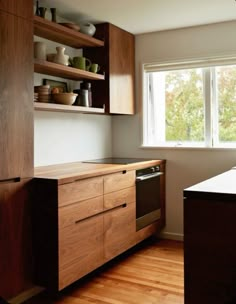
(148, 196)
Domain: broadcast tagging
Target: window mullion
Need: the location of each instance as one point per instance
(208, 111)
(215, 105)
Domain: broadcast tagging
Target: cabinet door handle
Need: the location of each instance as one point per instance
(10, 180)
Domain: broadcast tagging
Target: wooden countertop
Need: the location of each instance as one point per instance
(69, 172)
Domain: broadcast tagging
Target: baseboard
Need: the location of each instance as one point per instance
(172, 236)
(22, 297)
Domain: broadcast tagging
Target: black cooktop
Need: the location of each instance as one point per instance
(116, 160)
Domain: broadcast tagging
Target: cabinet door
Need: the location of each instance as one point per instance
(116, 59)
(119, 230)
(22, 8)
(80, 249)
(16, 97)
(121, 72)
(15, 238)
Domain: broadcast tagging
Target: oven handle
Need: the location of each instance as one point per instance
(148, 176)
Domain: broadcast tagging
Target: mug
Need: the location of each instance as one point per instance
(81, 63)
(94, 68)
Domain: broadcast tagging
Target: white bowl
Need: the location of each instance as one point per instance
(64, 98)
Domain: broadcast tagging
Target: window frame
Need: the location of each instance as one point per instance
(211, 140)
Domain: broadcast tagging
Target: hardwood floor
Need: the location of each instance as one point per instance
(150, 273)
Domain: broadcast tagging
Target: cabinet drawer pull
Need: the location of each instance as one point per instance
(124, 172)
(10, 180)
(88, 217)
(124, 205)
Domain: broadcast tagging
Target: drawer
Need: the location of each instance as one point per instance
(69, 215)
(80, 190)
(117, 198)
(118, 181)
(80, 249)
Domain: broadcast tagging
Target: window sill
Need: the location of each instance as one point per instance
(188, 148)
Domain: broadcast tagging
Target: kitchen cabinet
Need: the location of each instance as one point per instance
(117, 61)
(209, 241)
(80, 249)
(16, 146)
(115, 91)
(77, 226)
(15, 233)
(16, 106)
(20, 8)
(119, 222)
(58, 33)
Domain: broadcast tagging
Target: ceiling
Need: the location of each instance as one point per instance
(142, 16)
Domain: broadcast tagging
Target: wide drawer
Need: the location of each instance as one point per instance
(120, 180)
(118, 198)
(80, 249)
(80, 190)
(69, 215)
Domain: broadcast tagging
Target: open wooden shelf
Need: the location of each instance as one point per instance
(59, 33)
(59, 70)
(53, 107)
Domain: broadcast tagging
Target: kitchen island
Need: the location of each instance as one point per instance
(84, 214)
(209, 240)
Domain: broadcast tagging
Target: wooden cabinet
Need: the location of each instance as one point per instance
(209, 241)
(16, 98)
(119, 222)
(21, 8)
(58, 33)
(78, 226)
(16, 146)
(15, 236)
(80, 249)
(115, 56)
(117, 62)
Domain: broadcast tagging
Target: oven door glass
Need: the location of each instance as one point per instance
(148, 201)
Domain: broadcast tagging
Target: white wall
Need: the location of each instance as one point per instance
(69, 137)
(185, 167)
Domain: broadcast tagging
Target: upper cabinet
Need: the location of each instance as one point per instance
(58, 33)
(16, 106)
(117, 61)
(20, 8)
(112, 49)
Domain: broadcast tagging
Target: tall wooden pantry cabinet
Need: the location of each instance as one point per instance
(16, 144)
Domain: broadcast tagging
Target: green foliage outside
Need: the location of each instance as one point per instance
(227, 103)
(185, 105)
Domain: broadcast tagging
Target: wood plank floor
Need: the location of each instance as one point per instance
(150, 273)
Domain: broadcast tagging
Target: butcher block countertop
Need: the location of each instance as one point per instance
(69, 172)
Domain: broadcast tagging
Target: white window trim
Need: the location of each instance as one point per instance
(210, 143)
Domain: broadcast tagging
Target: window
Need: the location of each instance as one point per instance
(189, 105)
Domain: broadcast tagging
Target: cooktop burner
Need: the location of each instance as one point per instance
(115, 160)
